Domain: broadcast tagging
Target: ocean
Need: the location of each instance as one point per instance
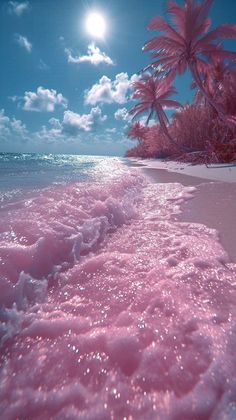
(29, 172)
(110, 307)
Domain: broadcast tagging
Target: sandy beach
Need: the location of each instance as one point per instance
(214, 201)
(222, 173)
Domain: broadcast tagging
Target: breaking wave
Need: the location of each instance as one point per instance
(111, 308)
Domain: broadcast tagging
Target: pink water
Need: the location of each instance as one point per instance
(111, 309)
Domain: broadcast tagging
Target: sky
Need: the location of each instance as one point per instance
(64, 89)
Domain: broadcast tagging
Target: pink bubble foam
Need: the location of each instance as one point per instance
(120, 310)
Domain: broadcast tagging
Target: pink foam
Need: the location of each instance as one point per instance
(139, 316)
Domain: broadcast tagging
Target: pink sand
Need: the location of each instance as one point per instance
(121, 310)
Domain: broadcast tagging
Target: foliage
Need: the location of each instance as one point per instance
(153, 95)
(152, 142)
(187, 43)
(206, 129)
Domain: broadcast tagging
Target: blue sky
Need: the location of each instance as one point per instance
(65, 91)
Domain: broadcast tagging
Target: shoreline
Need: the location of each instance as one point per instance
(216, 172)
(213, 203)
(103, 273)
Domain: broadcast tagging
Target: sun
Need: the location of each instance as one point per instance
(95, 25)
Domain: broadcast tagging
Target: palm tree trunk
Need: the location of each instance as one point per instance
(166, 132)
(197, 78)
(150, 115)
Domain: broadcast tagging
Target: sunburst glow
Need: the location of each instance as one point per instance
(96, 25)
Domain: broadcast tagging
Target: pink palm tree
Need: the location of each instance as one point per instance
(218, 80)
(137, 131)
(188, 43)
(153, 95)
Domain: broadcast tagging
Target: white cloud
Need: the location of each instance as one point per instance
(4, 124)
(3, 118)
(70, 135)
(122, 114)
(69, 130)
(55, 123)
(108, 91)
(18, 8)
(10, 128)
(74, 123)
(94, 56)
(18, 127)
(48, 136)
(43, 100)
(23, 42)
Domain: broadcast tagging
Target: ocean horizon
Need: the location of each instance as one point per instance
(25, 173)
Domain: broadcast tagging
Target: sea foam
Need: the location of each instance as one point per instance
(111, 308)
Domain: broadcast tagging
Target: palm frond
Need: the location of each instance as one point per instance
(138, 109)
(176, 13)
(226, 31)
(163, 43)
(204, 9)
(159, 24)
(221, 54)
(169, 103)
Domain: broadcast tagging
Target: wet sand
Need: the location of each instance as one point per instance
(214, 172)
(214, 201)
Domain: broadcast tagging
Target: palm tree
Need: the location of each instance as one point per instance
(153, 94)
(188, 43)
(137, 131)
(218, 81)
